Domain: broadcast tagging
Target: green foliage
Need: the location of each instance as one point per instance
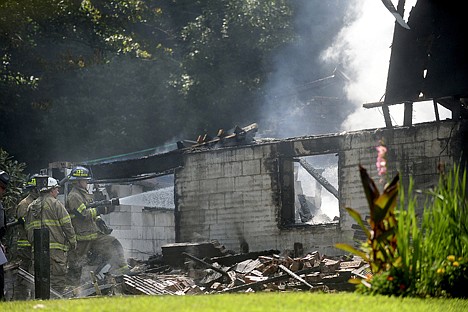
(40, 38)
(17, 179)
(393, 282)
(431, 255)
(380, 248)
(272, 301)
(226, 59)
(452, 278)
(445, 236)
(111, 77)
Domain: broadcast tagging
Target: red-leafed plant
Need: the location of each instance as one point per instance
(379, 250)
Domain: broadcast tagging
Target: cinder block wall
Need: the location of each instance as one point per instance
(412, 151)
(141, 232)
(232, 194)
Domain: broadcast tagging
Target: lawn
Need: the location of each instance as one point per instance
(286, 301)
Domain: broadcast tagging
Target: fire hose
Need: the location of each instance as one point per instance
(99, 221)
(105, 202)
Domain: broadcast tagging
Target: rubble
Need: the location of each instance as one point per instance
(267, 270)
(253, 272)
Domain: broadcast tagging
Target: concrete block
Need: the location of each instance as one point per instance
(250, 152)
(234, 199)
(267, 151)
(262, 182)
(214, 171)
(165, 219)
(225, 184)
(145, 247)
(251, 167)
(207, 186)
(239, 154)
(232, 169)
(352, 157)
(244, 183)
(120, 218)
(445, 130)
(216, 201)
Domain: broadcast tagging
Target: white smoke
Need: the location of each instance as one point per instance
(363, 47)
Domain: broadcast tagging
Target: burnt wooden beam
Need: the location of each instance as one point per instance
(132, 168)
(408, 114)
(317, 176)
(436, 110)
(387, 117)
(310, 145)
(233, 259)
(271, 280)
(208, 265)
(300, 279)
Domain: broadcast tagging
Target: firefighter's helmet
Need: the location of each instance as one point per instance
(51, 184)
(4, 179)
(79, 173)
(36, 181)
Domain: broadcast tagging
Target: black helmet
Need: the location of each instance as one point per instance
(4, 178)
(79, 173)
(35, 182)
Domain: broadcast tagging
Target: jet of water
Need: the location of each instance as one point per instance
(160, 198)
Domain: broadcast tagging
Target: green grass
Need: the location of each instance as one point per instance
(272, 302)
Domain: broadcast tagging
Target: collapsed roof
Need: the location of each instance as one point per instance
(428, 61)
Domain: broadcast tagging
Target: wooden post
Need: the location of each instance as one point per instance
(41, 263)
(387, 117)
(436, 111)
(408, 115)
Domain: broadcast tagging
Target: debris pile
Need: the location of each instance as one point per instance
(250, 272)
(208, 268)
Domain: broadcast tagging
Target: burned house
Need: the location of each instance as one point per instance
(242, 191)
(269, 193)
(248, 191)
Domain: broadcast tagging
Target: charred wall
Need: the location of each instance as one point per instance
(234, 195)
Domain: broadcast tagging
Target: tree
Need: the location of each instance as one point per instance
(85, 79)
(17, 179)
(42, 38)
(228, 53)
(44, 42)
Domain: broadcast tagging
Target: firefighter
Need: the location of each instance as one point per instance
(48, 212)
(94, 246)
(4, 180)
(23, 289)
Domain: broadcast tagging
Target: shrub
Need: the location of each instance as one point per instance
(17, 179)
(411, 256)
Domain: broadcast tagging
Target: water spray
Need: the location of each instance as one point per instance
(163, 198)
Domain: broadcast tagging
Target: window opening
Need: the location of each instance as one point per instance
(316, 190)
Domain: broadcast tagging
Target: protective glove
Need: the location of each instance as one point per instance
(105, 210)
(102, 226)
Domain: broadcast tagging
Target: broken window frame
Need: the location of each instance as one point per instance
(287, 211)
